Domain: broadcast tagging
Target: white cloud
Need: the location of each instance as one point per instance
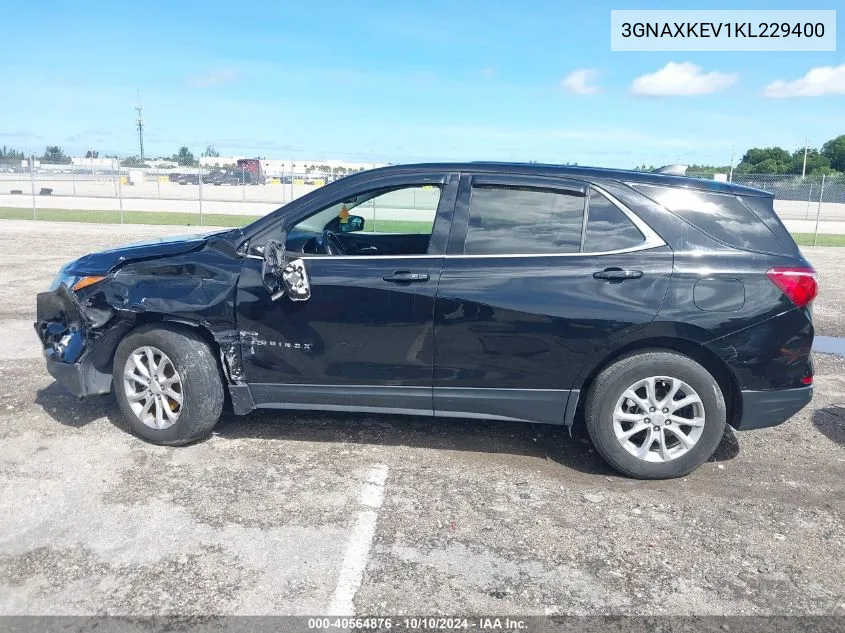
(824, 80)
(579, 81)
(682, 80)
(212, 79)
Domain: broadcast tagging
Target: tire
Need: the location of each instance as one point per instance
(199, 384)
(608, 415)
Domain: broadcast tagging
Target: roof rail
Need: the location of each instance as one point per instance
(672, 170)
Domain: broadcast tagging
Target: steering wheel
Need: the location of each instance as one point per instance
(330, 244)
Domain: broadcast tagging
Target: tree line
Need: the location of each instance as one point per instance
(830, 159)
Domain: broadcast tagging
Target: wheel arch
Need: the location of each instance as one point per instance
(700, 353)
(146, 319)
(201, 383)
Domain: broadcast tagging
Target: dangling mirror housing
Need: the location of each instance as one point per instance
(295, 280)
(282, 277)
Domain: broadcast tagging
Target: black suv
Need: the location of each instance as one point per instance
(656, 308)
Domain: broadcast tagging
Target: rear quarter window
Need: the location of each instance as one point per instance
(721, 216)
(763, 208)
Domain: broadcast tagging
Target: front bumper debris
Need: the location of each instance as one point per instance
(81, 379)
(67, 330)
(60, 325)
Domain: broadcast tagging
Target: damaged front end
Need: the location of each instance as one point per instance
(70, 330)
(96, 300)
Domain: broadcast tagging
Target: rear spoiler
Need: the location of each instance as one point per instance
(672, 170)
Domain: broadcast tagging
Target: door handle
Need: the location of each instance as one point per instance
(404, 276)
(617, 274)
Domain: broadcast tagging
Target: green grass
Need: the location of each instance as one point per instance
(183, 219)
(129, 217)
(222, 219)
(397, 226)
(806, 239)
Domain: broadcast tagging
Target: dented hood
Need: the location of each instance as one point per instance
(105, 261)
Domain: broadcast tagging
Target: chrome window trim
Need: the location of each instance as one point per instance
(585, 220)
(633, 249)
(366, 257)
(652, 239)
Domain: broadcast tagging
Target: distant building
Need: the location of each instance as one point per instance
(112, 163)
(162, 163)
(271, 167)
(94, 163)
(275, 167)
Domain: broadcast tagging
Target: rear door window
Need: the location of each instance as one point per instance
(608, 228)
(514, 220)
(721, 216)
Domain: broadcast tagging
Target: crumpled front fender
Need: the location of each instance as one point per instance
(80, 331)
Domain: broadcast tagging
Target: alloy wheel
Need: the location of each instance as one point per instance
(658, 419)
(153, 387)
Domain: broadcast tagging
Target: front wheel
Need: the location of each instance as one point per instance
(167, 384)
(655, 415)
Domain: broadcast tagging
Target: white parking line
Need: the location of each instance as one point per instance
(360, 541)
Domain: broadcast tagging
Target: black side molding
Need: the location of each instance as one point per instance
(543, 406)
(364, 398)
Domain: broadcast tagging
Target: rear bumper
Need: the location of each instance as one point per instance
(762, 409)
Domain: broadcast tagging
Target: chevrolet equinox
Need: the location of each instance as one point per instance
(656, 308)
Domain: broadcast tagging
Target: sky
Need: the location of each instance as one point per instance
(401, 82)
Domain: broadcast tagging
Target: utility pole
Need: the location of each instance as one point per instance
(731, 172)
(804, 168)
(138, 109)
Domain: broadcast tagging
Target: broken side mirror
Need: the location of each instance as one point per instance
(282, 277)
(295, 279)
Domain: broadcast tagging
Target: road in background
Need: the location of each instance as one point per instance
(256, 200)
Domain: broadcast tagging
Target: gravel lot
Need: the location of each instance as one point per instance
(467, 516)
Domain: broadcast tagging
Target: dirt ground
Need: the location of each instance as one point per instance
(267, 515)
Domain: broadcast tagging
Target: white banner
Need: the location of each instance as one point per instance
(722, 30)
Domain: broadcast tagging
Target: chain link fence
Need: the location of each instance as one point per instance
(104, 189)
(801, 197)
(807, 204)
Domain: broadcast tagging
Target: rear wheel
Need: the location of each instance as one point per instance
(655, 415)
(167, 384)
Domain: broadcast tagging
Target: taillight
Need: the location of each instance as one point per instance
(799, 284)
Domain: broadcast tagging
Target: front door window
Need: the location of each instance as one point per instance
(397, 221)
